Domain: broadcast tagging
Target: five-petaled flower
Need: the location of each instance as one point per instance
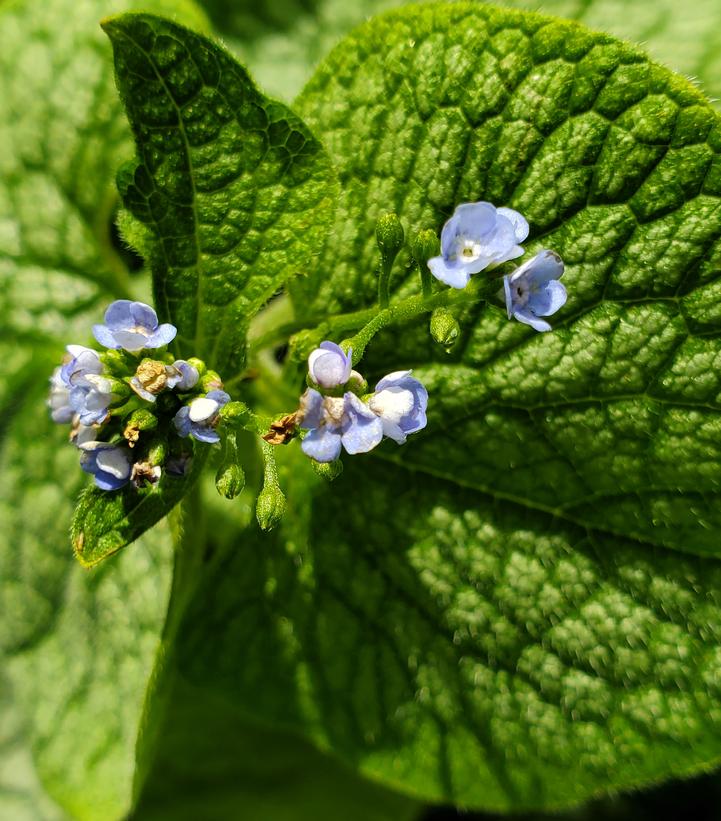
(199, 418)
(400, 401)
(533, 290)
(79, 388)
(477, 236)
(133, 326)
(334, 421)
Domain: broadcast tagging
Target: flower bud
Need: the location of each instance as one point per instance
(210, 381)
(444, 328)
(198, 364)
(389, 236)
(424, 246)
(139, 420)
(230, 480)
(328, 470)
(236, 412)
(158, 451)
(270, 507)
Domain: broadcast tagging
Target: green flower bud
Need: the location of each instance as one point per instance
(270, 507)
(444, 328)
(328, 470)
(119, 363)
(230, 480)
(389, 236)
(198, 364)
(211, 381)
(158, 451)
(236, 413)
(139, 420)
(424, 246)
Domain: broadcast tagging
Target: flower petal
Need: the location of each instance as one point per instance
(143, 316)
(519, 222)
(105, 337)
(118, 315)
(550, 299)
(457, 276)
(528, 318)
(322, 444)
(130, 340)
(164, 335)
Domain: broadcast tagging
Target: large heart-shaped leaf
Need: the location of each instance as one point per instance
(519, 609)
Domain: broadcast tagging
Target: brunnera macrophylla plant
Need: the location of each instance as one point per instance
(507, 596)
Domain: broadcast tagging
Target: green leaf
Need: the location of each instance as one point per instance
(519, 609)
(282, 41)
(686, 37)
(104, 523)
(234, 187)
(76, 648)
(233, 764)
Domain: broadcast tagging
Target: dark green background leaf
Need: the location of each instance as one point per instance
(234, 187)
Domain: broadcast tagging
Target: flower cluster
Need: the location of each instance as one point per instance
(337, 414)
(480, 236)
(120, 402)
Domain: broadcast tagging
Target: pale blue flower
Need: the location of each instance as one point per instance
(79, 388)
(59, 400)
(477, 236)
(333, 422)
(133, 326)
(109, 464)
(199, 418)
(329, 366)
(533, 290)
(182, 376)
(400, 401)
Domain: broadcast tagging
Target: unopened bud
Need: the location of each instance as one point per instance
(230, 480)
(158, 451)
(270, 507)
(424, 246)
(139, 420)
(211, 381)
(328, 470)
(444, 328)
(389, 236)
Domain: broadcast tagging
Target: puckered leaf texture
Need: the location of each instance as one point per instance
(234, 188)
(76, 650)
(520, 609)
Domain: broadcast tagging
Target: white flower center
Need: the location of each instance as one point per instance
(467, 249)
(334, 407)
(392, 403)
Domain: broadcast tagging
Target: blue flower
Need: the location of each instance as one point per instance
(476, 236)
(133, 326)
(109, 464)
(182, 376)
(400, 401)
(59, 400)
(329, 366)
(333, 422)
(199, 418)
(79, 388)
(533, 290)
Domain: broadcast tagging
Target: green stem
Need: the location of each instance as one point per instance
(426, 280)
(401, 312)
(384, 281)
